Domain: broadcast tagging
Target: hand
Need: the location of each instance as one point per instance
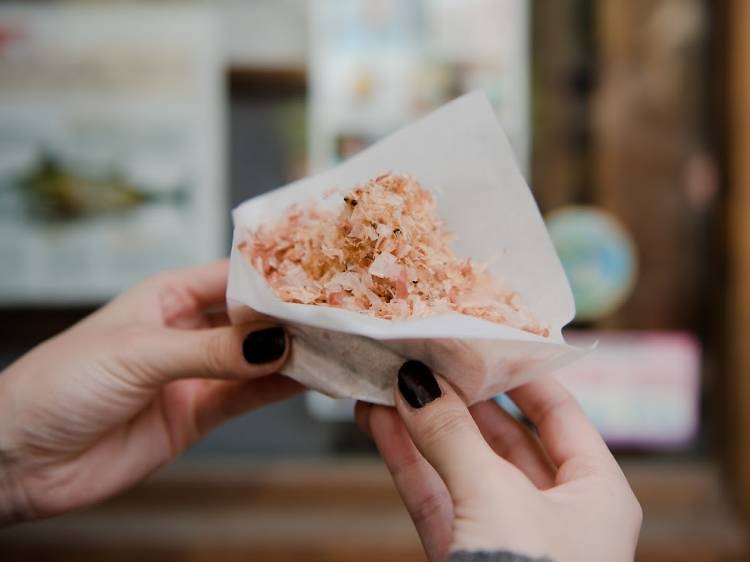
(478, 480)
(100, 406)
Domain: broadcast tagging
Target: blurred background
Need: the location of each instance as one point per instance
(128, 130)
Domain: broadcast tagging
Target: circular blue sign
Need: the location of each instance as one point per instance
(598, 256)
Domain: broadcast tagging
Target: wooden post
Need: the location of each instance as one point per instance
(738, 230)
(555, 162)
(649, 162)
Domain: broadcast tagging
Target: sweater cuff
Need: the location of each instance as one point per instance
(492, 556)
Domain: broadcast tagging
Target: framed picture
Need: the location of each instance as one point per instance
(111, 147)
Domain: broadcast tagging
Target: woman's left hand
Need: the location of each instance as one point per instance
(100, 406)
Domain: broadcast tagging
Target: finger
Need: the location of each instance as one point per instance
(514, 442)
(157, 356)
(443, 430)
(220, 401)
(362, 412)
(217, 318)
(567, 435)
(218, 315)
(187, 410)
(423, 492)
(206, 284)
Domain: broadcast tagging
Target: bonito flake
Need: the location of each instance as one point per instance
(384, 253)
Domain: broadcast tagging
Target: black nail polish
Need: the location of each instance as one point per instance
(264, 346)
(417, 384)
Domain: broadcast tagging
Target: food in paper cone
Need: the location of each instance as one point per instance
(386, 253)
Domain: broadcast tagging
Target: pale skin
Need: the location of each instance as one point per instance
(477, 479)
(99, 407)
(102, 405)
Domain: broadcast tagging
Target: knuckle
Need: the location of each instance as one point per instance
(427, 507)
(557, 407)
(636, 510)
(217, 354)
(134, 336)
(152, 284)
(129, 353)
(160, 279)
(444, 426)
(504, 442)
(623, 503)
(587, 465)
(405, 465)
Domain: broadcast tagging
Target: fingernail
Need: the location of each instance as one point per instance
(417, 384)
(264, 346)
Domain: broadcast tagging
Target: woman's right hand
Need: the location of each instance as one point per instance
(477, 480)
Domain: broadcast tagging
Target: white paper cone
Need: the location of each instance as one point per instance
(461, 153)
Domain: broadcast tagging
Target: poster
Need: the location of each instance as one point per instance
(376, 65)
(111, 156)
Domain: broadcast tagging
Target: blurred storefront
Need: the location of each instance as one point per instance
(628, 118)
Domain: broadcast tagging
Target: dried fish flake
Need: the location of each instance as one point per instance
(385, 253)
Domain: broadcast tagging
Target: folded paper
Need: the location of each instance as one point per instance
(462, 155)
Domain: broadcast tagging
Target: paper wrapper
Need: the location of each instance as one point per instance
(461, 153)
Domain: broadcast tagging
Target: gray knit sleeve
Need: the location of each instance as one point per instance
(493, 556)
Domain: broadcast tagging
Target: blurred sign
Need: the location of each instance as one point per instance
(640, 389)
(111, 154)
(598, 257)
(376, 65)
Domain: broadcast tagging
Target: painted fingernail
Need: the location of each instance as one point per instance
(417, 384)
(264, 346)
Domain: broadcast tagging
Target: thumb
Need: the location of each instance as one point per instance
(232, 352)
(444, 431)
